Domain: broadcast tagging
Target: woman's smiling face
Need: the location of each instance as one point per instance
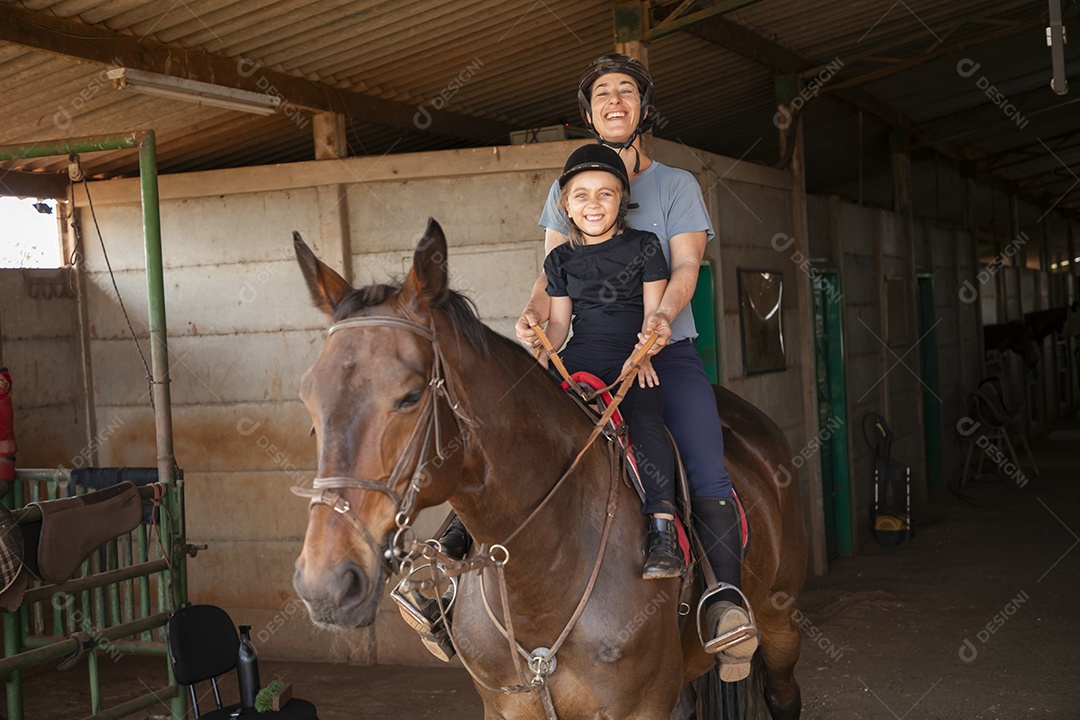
(616, 106)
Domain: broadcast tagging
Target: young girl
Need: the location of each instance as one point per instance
(608, 278)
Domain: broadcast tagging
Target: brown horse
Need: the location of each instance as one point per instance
(401, 359)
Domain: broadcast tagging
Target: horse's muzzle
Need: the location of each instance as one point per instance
(343, 595)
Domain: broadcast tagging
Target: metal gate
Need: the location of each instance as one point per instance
(125, 592)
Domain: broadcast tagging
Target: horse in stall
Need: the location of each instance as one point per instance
(405, 368)
(1046, 322)
(1015, 336)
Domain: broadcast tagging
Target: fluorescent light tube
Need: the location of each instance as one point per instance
(194, 91)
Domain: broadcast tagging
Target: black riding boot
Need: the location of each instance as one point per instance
(665, 558)
(717, 523)
(730, 634)
(456, 541)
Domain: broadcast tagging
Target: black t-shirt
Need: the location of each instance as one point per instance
(604, 281)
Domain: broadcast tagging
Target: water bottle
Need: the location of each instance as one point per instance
(247, 669)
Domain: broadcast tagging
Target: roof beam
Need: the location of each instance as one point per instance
(1061, 140)
(71, 39)
(932, 54)
(743, 41)
(34, 184)
(682, 17)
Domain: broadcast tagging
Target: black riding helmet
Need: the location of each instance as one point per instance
(595, 157)
(618, 63)
(604, 159)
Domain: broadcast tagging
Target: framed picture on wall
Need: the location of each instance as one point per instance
(761, 310)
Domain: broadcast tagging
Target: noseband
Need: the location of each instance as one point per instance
(416, 454)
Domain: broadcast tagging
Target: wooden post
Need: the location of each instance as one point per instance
(901, 172)
(1017, 260)
(971, 222)
(630, 25)
(330, 139)
(630, 28)
(330, 143)
(804, 295)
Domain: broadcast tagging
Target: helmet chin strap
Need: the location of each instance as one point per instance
(622, 146)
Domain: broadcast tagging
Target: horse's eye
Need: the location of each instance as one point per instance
(409, 400)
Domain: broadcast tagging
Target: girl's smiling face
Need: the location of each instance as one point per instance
(593, 204)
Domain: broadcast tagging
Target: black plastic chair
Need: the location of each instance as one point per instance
(204, 645)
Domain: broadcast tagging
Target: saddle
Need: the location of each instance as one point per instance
(682, 489)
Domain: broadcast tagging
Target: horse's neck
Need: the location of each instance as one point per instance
(525, 436)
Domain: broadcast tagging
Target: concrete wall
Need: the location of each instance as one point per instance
(40, 345)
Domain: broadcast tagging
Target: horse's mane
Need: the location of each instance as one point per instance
(460, 310)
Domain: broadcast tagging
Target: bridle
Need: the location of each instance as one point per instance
(417, 453)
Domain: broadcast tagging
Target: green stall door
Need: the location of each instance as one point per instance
(832, 414)
(704, 306)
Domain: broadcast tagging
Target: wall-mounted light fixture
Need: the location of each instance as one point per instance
(194, 91)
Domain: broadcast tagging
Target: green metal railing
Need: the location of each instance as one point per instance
(127, 589)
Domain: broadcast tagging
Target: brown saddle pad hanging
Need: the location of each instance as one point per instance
(71, 529)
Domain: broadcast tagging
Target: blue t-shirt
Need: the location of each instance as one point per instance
(669, 203)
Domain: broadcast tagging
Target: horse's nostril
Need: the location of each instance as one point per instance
(348, 586)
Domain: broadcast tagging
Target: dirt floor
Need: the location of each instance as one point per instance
(974, 619)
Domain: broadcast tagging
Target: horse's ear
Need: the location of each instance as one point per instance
(427, 281)
(327, 288)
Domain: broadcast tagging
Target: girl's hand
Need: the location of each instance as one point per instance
(647, 374)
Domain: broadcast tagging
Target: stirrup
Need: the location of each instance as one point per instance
(733, 637)
(434, 635)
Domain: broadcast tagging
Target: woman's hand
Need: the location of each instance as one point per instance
(659, 323)
(524, 332)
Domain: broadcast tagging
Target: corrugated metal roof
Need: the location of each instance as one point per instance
(516, 63)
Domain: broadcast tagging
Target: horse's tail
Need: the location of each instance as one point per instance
(743, 700)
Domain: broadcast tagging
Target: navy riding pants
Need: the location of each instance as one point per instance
(691, 415)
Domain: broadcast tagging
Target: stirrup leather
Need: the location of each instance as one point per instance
(433, 633)
(732, 637)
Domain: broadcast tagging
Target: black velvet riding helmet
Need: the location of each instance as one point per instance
(595, 157)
